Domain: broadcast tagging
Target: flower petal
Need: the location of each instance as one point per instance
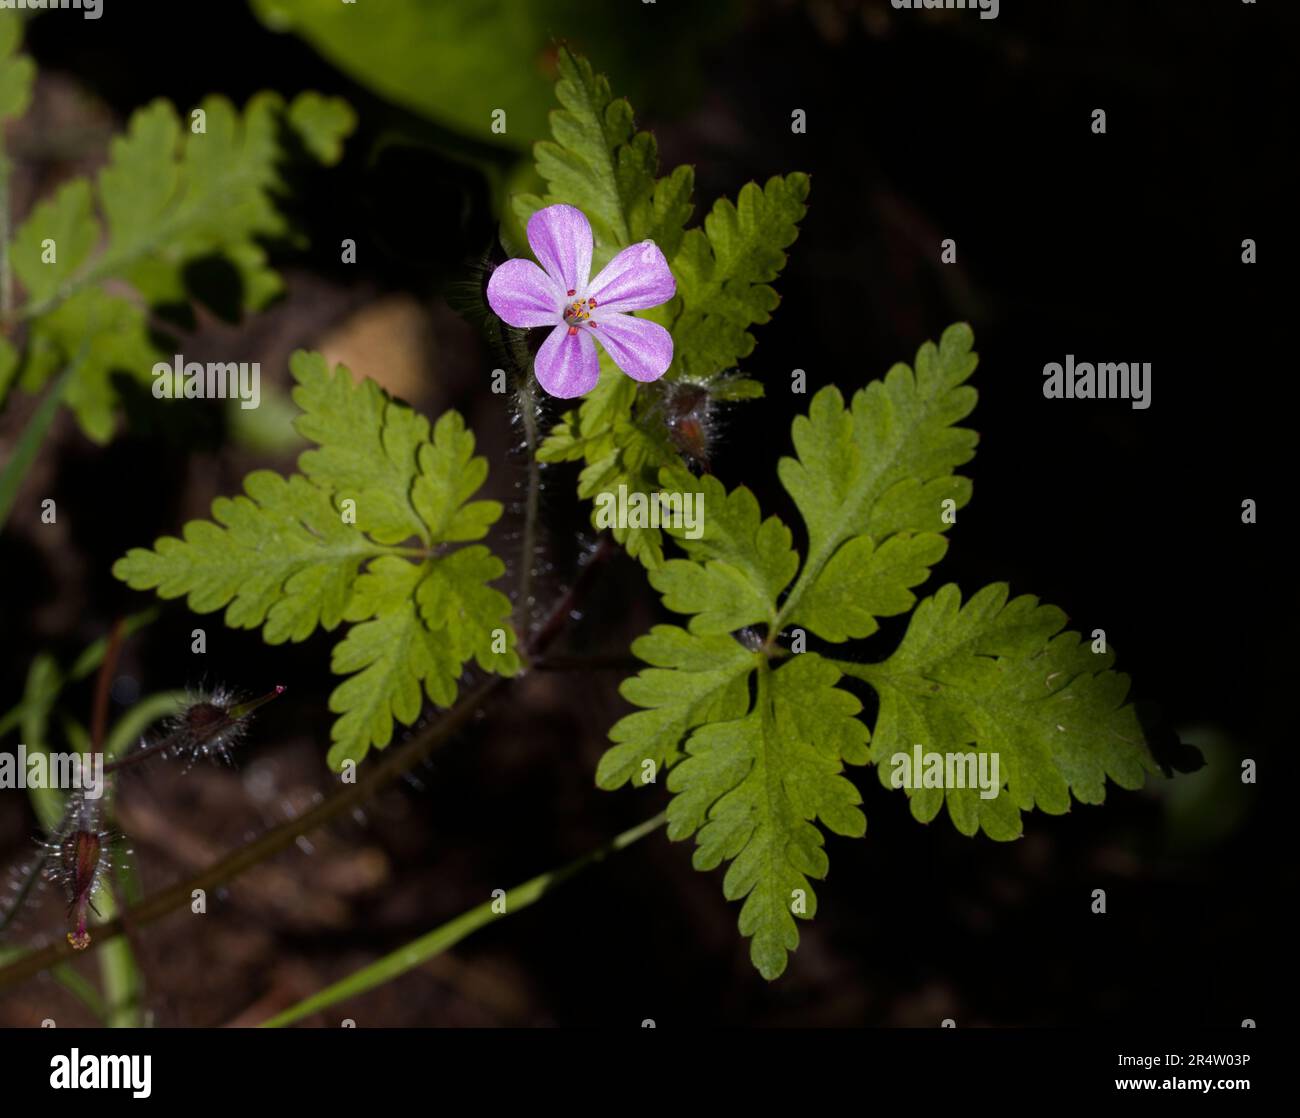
(523, 295)
(637, 278)
(567, 364)
(560, 237)
(641, 348)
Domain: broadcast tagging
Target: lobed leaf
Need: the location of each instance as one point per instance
(598, 162)
(751, 787)
(291, 556)
(169, 197)
(1000, 675)
(749, 778)
(880, 468)
(17, 71)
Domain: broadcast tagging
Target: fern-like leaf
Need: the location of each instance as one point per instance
(598, 162)
(169, 197)
(362, 535)
(756, 739)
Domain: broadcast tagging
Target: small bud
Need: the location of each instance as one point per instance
(689, 417)
(79, 861)
(82, 864)
(212, 725)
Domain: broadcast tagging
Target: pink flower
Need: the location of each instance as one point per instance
(559, 294)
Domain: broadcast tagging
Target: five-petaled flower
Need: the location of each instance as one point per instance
(561, 294)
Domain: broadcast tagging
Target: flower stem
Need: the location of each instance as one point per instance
(381, 773)
(159, 904)
(528, 544)
(104, 684)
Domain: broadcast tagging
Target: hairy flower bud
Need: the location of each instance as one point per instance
(212, 725)
(83, 865)
(689, 415)
(77, 859)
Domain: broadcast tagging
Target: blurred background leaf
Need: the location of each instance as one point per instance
(455, 63)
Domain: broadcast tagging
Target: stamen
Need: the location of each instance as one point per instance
(572, 292)
(572, 330)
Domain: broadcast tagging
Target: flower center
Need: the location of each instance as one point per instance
(578, 312)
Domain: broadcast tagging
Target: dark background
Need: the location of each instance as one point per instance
(921, 126)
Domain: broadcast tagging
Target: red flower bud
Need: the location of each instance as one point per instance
(83, 863)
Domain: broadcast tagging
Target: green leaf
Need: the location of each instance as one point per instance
(456, 602)
(367, 447)
(882, 467)
(871, 481)
(378, 453)
(140, 183)
(756, 775)
(638, 450)
(1001, 676)
(739, 565)
(587, 432)
(449, 475)
(281, 557)
(600, 163)
(393, 654)
(323, 123)
(55, 240)
(17, 72)
(318, 549)
(169, 196)
(751, 787)
(693, 680)
(457, 63)
(724, 271)
(864, 581)
(94, 335)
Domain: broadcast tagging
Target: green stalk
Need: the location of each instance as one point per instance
(11, 477)
(123, 983)
(392, 765)
(82, 989)
(420, 951)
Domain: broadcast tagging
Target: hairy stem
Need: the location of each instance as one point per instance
(25, 884)
(272, 842)
(528, 544)
(388, 768)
